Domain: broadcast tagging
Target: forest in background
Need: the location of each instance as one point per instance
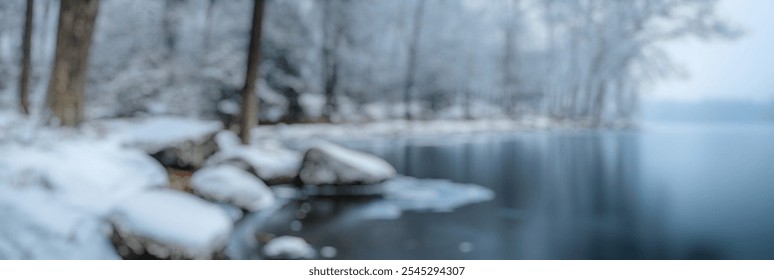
(354, 61)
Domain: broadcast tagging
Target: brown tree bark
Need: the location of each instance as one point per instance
(68, 78)
(25, 63)
(249, 115)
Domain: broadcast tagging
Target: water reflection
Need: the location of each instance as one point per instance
(558, 196)
(664, 194)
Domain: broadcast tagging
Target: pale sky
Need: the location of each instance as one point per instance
(741, 69)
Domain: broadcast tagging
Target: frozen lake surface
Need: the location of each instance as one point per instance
(663, 192)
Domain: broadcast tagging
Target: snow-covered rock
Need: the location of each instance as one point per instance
(229, 184)
(173, 141)
(170, 224)
(37, 225)
(268, 160)
(330, 164)
(288, 247)
(86, 174)
(57, 187)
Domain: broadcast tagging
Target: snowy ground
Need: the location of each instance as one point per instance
(63, 190)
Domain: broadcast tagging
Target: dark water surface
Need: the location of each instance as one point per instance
(664, 192)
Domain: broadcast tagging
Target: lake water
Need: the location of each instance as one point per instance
(662, 192)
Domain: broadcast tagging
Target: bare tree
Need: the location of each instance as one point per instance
(336, 21)
(510, 55)
(68, 77)
(249, 112)
(413, 49)
(332, 32)
(208, 29)
(170, 25)
(25, 62)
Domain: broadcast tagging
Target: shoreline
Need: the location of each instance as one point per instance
(422, 128)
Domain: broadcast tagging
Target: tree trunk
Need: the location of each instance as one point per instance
(510, 57)
(170, 25)
(68, 77)
(412, 56)
(207, 32)
(332, 32)
(249, 116)
(508, 72)
(25, 63)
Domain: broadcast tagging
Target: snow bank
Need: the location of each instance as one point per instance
(394, 128)
(229, 184)
(170, 224)
(330, 164)
(174, 141)
(288, 247)
(268, 160)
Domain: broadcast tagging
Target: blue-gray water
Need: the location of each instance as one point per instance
(663, 192)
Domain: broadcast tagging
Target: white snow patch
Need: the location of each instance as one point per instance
(289, 247)
(269, 159)
(422, 195)
(401, 128)
(58, 184)
(228, 107)
(36, 225)
(313, 104)
(87, 174)
(157, 133)
(227, 140)
(176, 220)
(229, 184)
(433, 194)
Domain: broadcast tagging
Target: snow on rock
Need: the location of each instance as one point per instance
(268, 160)
(170, 224)
(57, 186)
(36, 225)
(229, 184)
(288, 247)
(86, 174)
(174, 141)
(330, 164)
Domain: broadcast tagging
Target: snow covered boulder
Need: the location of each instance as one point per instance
(169, 224)
(329, 164)
(174, 141)
(229, 184)
(288, 247)
(269, 160)
(84, 173)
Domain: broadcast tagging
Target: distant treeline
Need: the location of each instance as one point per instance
(348, 60)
